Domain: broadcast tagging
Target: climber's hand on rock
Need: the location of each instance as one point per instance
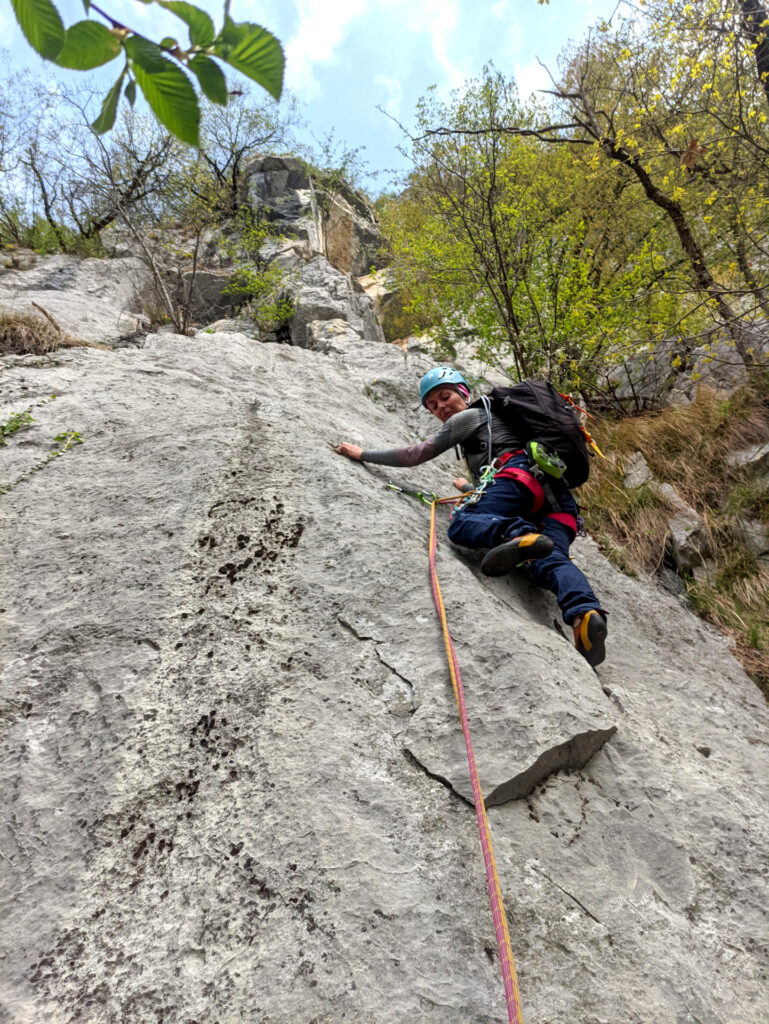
(352, 451)
(460, 482)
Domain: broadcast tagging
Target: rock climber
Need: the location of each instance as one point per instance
(512, 517)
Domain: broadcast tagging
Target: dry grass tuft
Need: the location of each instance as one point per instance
(30, 334)
(687, 446)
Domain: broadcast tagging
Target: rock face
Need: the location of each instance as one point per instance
(337, 224)
(351, 237)
(231, 763)
(281, 189)
(323, 293)
(669, 374)
(92, 299)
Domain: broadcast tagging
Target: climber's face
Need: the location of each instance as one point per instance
(444, 403)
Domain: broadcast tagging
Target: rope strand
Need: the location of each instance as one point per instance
(506, 961)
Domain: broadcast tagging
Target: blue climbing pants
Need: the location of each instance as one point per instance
(513, 504)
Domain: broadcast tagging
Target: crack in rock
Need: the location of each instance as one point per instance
(353, 631)
(407, 683)
(566, 892)
(412, 759)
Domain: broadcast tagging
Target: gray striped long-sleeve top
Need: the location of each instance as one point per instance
(469, 429)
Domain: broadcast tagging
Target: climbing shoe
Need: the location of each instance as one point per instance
(590, 637)
(506, 557)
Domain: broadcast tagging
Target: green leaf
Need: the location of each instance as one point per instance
(87, 44)
(169, 43)
(87, 5)
(106, 118)
(130, 92)
(172, 98)
(254, 52)
(210, 77)
(145, 54)
(201, 27)
(40, 22)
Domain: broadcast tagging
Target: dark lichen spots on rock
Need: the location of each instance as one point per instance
(142, 847)
(262, 545)
(186, 790)
(232, 569)
(205, 723)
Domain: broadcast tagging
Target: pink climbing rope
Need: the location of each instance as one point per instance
(509, 978)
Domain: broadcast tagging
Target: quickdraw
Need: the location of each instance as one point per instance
(426, 497)
(473, 497)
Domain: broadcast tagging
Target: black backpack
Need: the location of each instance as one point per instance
(535, 411)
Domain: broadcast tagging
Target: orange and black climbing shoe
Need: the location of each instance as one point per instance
(508, 556)
(590, 637)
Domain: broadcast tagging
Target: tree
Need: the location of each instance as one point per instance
(672, 97)
(682, 116)
(231, 135)
(59, 170)
(533, 253)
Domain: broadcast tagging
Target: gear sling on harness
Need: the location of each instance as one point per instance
(510, 981)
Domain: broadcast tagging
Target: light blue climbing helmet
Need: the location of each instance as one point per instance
(441, 375)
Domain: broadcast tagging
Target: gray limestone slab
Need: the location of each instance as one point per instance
(230, 776)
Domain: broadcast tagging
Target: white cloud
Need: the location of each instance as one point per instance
(323, 26)
(438, 20)
(393, 89)
(530, 78)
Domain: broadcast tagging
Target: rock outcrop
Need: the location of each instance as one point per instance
(323, 293)
(232, 767)
(94, 300)
(689, 541)
(670, 372)
(335, 222)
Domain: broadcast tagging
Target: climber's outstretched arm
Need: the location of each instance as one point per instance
(453, 431)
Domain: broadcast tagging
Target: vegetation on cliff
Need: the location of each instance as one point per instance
(632, 207)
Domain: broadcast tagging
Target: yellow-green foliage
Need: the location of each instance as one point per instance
(687, 446)
(258, 290)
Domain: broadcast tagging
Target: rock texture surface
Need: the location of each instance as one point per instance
(338, 223)
(321, 292)
(231, 765)
(94, 300)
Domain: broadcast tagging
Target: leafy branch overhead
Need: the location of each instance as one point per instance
(161, 70)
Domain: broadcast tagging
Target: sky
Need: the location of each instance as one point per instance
(346, 58)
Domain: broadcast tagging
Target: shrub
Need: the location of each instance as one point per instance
(30, 334)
